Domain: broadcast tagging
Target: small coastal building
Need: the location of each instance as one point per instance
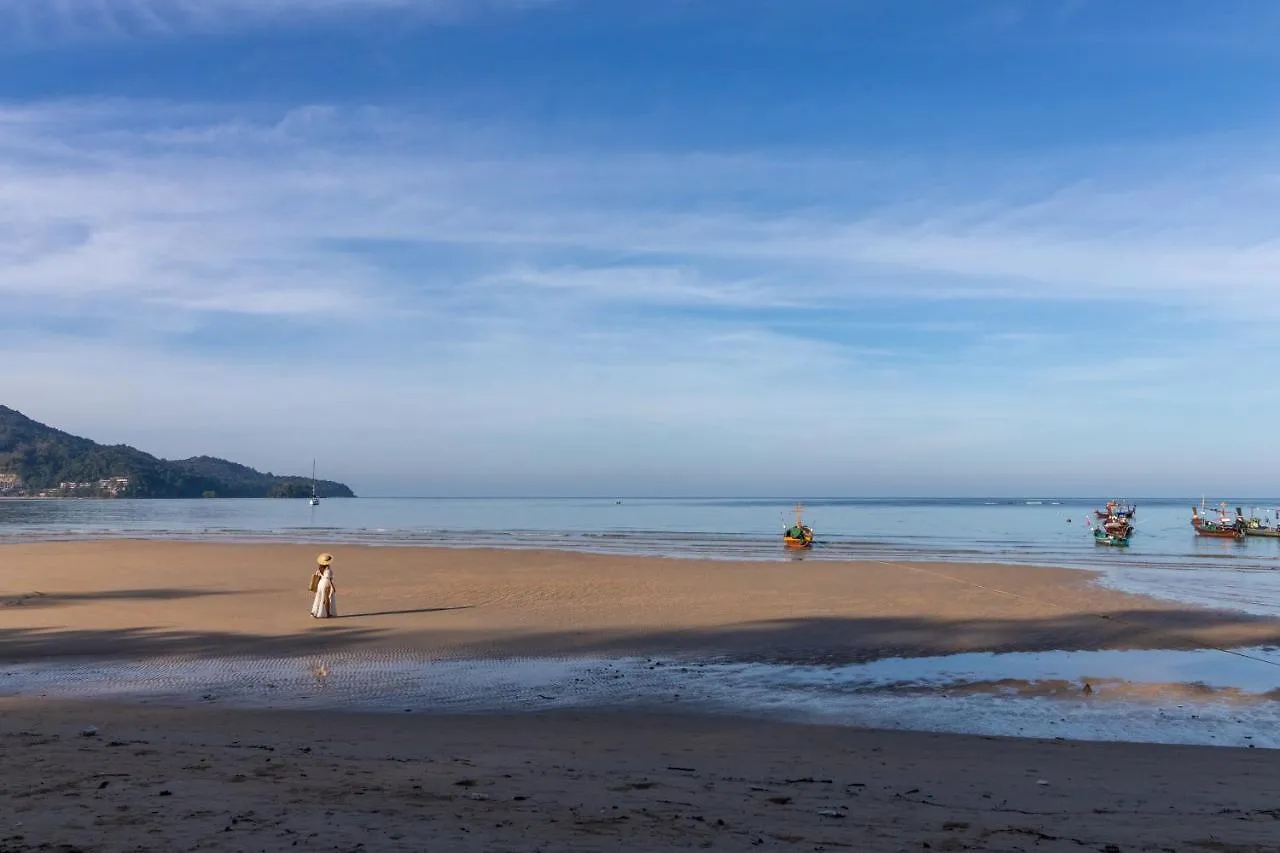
(10, 484)
(113, 485)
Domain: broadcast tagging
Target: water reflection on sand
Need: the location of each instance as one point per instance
(1202, 696)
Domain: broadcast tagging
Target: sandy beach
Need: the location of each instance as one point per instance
(136, 599)
(221, 778)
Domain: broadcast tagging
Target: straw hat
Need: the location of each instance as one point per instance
(324, 559)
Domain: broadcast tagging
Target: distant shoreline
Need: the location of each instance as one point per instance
(140, 498)
(1097, 501)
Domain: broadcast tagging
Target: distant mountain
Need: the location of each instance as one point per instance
(39, 460)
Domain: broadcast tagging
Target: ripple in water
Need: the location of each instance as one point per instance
(1199, 697)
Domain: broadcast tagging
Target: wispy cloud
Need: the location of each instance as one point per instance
(321, 211)
(645, 285)
(52, 23)
(463, 286)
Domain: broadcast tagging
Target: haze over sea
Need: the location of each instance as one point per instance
(1166, 559)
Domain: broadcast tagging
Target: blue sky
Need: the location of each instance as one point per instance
(466, 247)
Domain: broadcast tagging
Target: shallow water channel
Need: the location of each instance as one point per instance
(1204, 696)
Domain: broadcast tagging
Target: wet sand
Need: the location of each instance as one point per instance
(154, 599)
(214, 780)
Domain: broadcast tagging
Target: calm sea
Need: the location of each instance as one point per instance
(1165, 559)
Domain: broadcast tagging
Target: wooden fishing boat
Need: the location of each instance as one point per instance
(1102, 537)
(1114, 509)
(1257, 526)
(1117, 526)
(1224, 528)
(1114, 531)
(798, 535)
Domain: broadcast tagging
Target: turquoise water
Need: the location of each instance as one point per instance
(1165, 558)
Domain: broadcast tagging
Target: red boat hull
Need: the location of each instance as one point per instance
(1215, 531)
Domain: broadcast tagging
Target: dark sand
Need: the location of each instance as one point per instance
(281, 781)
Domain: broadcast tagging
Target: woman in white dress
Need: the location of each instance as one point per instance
(325, 604)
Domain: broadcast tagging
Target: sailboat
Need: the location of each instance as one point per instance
(315, 499)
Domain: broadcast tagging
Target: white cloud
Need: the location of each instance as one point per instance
(307, 212)
(656, 285)
(478, 290)
(304, 213)
(50, 23)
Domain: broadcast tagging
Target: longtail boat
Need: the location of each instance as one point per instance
(1116, 530)
(798, 535)
(1257, 526)
(1102, 537)
(1225, 527)
(1115, 510)
(1118, 526)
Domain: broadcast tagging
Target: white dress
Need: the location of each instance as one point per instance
(325, 590)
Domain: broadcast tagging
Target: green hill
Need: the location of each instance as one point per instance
(37, 459)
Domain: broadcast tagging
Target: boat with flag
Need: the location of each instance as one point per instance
(799, 534)
(1116, 530)
(1256, 525)
(1117, 510)
(1225, 527)
(1117, 539)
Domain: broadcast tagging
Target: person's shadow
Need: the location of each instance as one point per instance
(407, 612)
